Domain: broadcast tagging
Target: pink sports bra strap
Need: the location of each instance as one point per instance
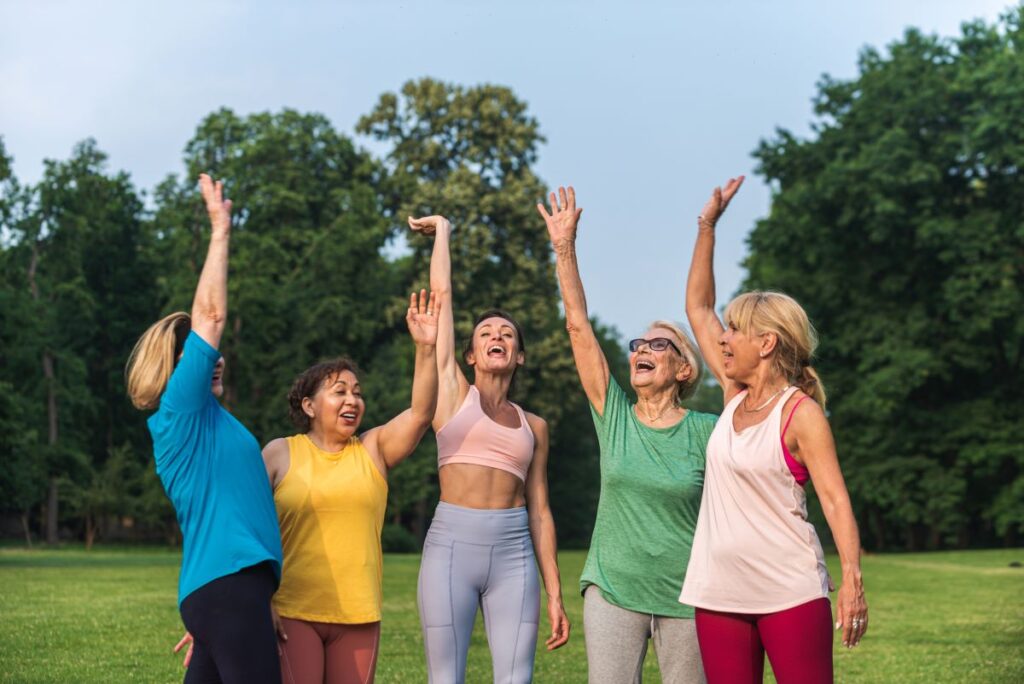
(790, 419)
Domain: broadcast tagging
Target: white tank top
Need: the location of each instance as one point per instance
(753, 550)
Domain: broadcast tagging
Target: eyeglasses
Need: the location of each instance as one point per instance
(658, 344)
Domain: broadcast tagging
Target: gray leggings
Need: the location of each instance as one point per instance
(479, 557)
(617, 643)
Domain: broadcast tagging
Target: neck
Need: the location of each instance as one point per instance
(327, 441)
(493, 388)
(763, 384)
(655, 404)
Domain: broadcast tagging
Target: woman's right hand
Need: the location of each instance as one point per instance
(430, 225)
(563, 218)
(720, 198)
(186, 639)
(278, 628)
(218, 208)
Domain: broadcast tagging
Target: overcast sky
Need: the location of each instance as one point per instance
(645, 105)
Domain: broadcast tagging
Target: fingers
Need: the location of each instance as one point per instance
(563, 198)
(543, 212)
(553, 201)
(185, 639)
(188, 657)
(433, 304)
(572, 199)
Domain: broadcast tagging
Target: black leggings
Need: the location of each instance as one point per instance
(232, 631)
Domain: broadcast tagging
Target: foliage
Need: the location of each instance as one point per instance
(898, 226)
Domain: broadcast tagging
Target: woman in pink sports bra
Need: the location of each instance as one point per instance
(757, 574)
(493, 523)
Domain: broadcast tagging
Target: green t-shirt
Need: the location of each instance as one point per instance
(651, 485)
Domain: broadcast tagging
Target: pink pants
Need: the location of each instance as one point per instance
(329, 653)
(798, 641)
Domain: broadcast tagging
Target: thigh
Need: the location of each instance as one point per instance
(799, 643)
(231, 617)
(302, 655)
(201, 668)
(675, 643)
(730, 647)
(511, 605)
(616, 640)
(448, 596)
(351, 653)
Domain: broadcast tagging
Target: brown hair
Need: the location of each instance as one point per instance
(763, 311)
(153, 359)
(309, 382)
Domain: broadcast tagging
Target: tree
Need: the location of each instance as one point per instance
(467, 153)
(898, 226)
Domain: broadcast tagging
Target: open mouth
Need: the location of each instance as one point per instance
(348, 416)
(496, 350)
(643, 365)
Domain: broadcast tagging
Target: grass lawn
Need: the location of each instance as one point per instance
(110, 615)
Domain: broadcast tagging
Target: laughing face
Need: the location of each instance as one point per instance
(495, 347)
(741, 352)
(657, 370)
(337, 407)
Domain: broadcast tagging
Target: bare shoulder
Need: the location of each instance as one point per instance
(275, 449)
(538, 425)
(808, 416)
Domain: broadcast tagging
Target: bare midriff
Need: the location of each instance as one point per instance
(476, 486)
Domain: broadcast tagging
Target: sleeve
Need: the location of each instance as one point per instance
(616, 403)
(189, 386)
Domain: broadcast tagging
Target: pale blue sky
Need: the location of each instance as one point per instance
(645, 105)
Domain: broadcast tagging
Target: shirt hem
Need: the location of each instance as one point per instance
(746, 610)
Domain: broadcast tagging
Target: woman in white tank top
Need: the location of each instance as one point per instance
(757, 574)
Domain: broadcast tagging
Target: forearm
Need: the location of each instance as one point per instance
(700, 285)
(210, 305)
(424, 384)
(441, 264)
(573, 297)
(545, 546)
(839, 514)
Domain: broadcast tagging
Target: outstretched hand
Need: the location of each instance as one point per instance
(218, 208)
(564, 216)
(720, 199)
(422, 318)
(429, 225)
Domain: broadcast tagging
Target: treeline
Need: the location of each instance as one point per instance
(897, 224)
(87, 266)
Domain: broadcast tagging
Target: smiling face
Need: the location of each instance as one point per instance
(337, 407)
(495, 347)
(659, 371)
(743, 353)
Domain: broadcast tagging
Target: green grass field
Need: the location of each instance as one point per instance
(109, 615)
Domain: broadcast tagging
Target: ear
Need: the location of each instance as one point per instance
(520, 358)
(307, 407)
(685, 372)
(768, 343)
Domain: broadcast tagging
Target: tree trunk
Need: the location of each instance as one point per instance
(90, 531)
(51, 512)
(25, 528)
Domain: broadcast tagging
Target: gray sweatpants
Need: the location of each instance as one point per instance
(617, 643)
(477, 557)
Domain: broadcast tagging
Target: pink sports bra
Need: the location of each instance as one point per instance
(472, 437)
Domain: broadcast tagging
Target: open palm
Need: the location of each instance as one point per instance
(563, 217)
(720, 198)
(422, 317)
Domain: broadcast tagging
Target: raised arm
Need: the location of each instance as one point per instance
(452, 384)
(813, 444)
(591, 363)
(397, 438)
(542, 532)
(210, 305)
(700, 286)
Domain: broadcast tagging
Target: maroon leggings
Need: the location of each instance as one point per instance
(328, 653)
(798, 641)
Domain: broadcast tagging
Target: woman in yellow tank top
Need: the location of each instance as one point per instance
(330, 491)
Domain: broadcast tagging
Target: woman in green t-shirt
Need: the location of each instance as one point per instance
(652, 477)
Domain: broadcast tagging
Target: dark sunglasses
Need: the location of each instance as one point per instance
(658, 344)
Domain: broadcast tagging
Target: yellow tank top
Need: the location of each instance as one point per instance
(330, 507)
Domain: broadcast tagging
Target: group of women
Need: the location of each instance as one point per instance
(701, 543)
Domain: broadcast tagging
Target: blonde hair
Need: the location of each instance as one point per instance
(685, 388)
(761, 312)
(153, 359)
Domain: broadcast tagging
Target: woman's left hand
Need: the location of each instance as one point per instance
(851, 611)
(422, 318)
(559, 624)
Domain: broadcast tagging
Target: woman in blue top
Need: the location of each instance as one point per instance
(212, 470)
